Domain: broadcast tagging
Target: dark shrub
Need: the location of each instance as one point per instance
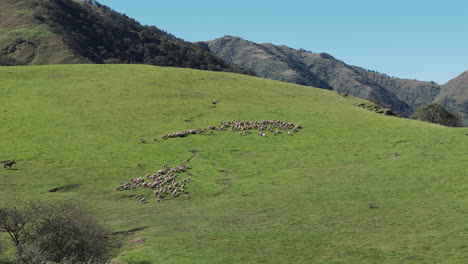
(55, 233)
(436, 113)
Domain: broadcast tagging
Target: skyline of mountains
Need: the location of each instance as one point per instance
(279, 62)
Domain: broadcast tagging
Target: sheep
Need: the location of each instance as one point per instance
(142, 141)
(162, 182)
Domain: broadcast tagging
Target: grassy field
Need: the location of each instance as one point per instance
(275, 199)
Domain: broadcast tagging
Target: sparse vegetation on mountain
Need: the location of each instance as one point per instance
(322, 70)
(454, 95)
(436, 113)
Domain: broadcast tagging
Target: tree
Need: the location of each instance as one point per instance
(436, 113)
(55, 233)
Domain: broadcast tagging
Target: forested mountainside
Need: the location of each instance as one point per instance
(74, 31)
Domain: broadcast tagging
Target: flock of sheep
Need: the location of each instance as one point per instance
(274, 126)
(163, 183)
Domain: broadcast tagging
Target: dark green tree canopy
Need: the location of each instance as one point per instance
(99, 34)
(436, 113)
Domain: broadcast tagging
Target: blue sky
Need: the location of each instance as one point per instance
(424, 40)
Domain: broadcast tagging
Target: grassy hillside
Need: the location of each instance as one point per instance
(252, 199)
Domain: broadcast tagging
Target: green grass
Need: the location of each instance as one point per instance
(27, 31)
(274, 199)
(17, 22)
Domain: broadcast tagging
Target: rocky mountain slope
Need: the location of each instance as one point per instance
(324, 71)
(73, 31)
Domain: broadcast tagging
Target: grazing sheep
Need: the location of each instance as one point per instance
(142, 141)
(163, 182)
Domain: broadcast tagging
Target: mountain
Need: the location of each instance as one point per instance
(454, 95)
(24, 40)
(322, 70)
(73, 31)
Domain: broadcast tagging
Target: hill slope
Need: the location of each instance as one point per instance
(454, 95)
(305, 198)
(23, 40)
(73, 31)
(323, 71)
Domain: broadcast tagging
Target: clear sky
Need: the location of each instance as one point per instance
(415, 39)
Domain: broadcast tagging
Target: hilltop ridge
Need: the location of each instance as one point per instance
(322, 70)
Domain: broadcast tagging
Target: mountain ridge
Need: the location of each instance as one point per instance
(322, 70)
(454, 95)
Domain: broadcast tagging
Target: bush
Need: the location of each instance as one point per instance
(436, 113)
(55, 233)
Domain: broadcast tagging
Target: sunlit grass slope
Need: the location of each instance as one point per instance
(275, 199)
